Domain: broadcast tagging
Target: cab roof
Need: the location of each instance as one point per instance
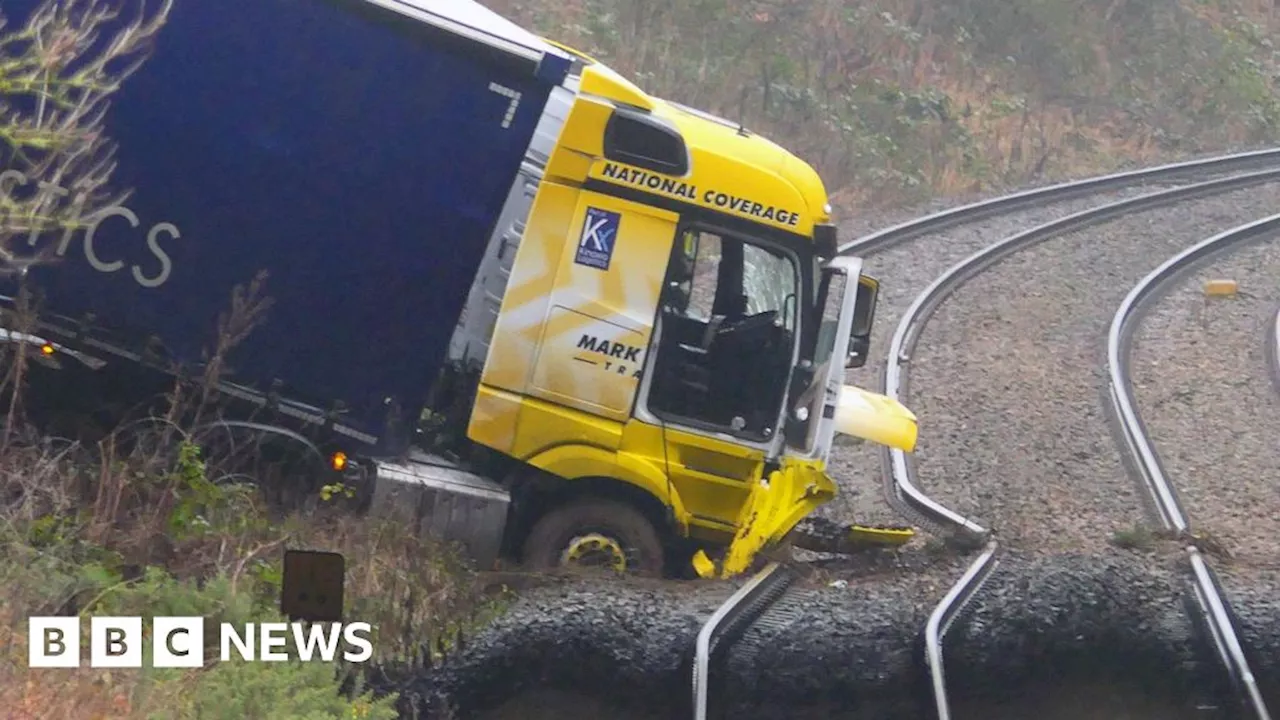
(706, 133)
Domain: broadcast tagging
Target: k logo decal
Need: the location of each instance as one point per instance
(599, 237)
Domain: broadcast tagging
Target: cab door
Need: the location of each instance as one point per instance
(721, 357)
(592, 345)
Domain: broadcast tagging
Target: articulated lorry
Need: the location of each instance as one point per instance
(515, 300)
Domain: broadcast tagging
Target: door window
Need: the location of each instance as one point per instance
(727, 329)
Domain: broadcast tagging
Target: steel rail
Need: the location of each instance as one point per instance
(889, 237)
(902, 492)
(1119, 344)
(945, 613)
(742, 607)
(921, 310)
(908, 333)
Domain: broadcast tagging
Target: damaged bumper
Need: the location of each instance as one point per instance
(779, 502)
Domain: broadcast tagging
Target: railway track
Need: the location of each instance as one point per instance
(1231, 401)
(724, 633)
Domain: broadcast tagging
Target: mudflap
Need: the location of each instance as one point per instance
(777, 502)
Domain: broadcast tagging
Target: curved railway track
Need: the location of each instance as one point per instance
(1201, 429)
(753, 602)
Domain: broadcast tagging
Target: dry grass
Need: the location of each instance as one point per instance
(79, 535)
(141, 522)
(896, 100)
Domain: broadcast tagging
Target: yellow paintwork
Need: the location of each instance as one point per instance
(879, 536)
(744, 167)
(1221, 288)
(560, 321)
(713, 476)
(572, 51)
(601, 81)
(583, 547)
(875, 417)
(773, 507)
(558, 390)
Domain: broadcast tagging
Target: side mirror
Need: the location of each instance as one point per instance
(864, 314)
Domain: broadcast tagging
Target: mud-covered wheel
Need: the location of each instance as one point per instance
(601, 534)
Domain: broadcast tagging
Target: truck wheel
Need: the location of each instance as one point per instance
(595, 533)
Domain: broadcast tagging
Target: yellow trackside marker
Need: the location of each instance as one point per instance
(1221, 288)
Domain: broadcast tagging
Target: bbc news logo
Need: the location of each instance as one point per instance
(179, 642)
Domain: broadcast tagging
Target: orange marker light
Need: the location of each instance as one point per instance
(47, 349)
(339, 460)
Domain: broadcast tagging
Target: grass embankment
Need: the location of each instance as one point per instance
(96, 532)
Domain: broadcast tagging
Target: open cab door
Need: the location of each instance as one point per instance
(800, 484)
(849, 409)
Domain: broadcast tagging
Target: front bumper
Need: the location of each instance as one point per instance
(787, 495)
(775, 505)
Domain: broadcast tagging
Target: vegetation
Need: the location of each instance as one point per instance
(900, 100)
(893, 101)
(144, 518)
(96, 531)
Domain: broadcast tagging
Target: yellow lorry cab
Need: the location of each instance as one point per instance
(670, 324)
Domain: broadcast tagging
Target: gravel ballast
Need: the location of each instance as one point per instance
(905, 271)
(1010, 379)
(610, 650)
(1012, 423)
(1204, 388)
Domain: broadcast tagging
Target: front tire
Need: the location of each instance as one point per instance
(595, 533)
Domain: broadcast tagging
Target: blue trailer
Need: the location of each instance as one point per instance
(376, 160)
(360, 152)
(379, 161)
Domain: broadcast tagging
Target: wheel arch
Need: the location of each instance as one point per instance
(586, 470)
(566, 473)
